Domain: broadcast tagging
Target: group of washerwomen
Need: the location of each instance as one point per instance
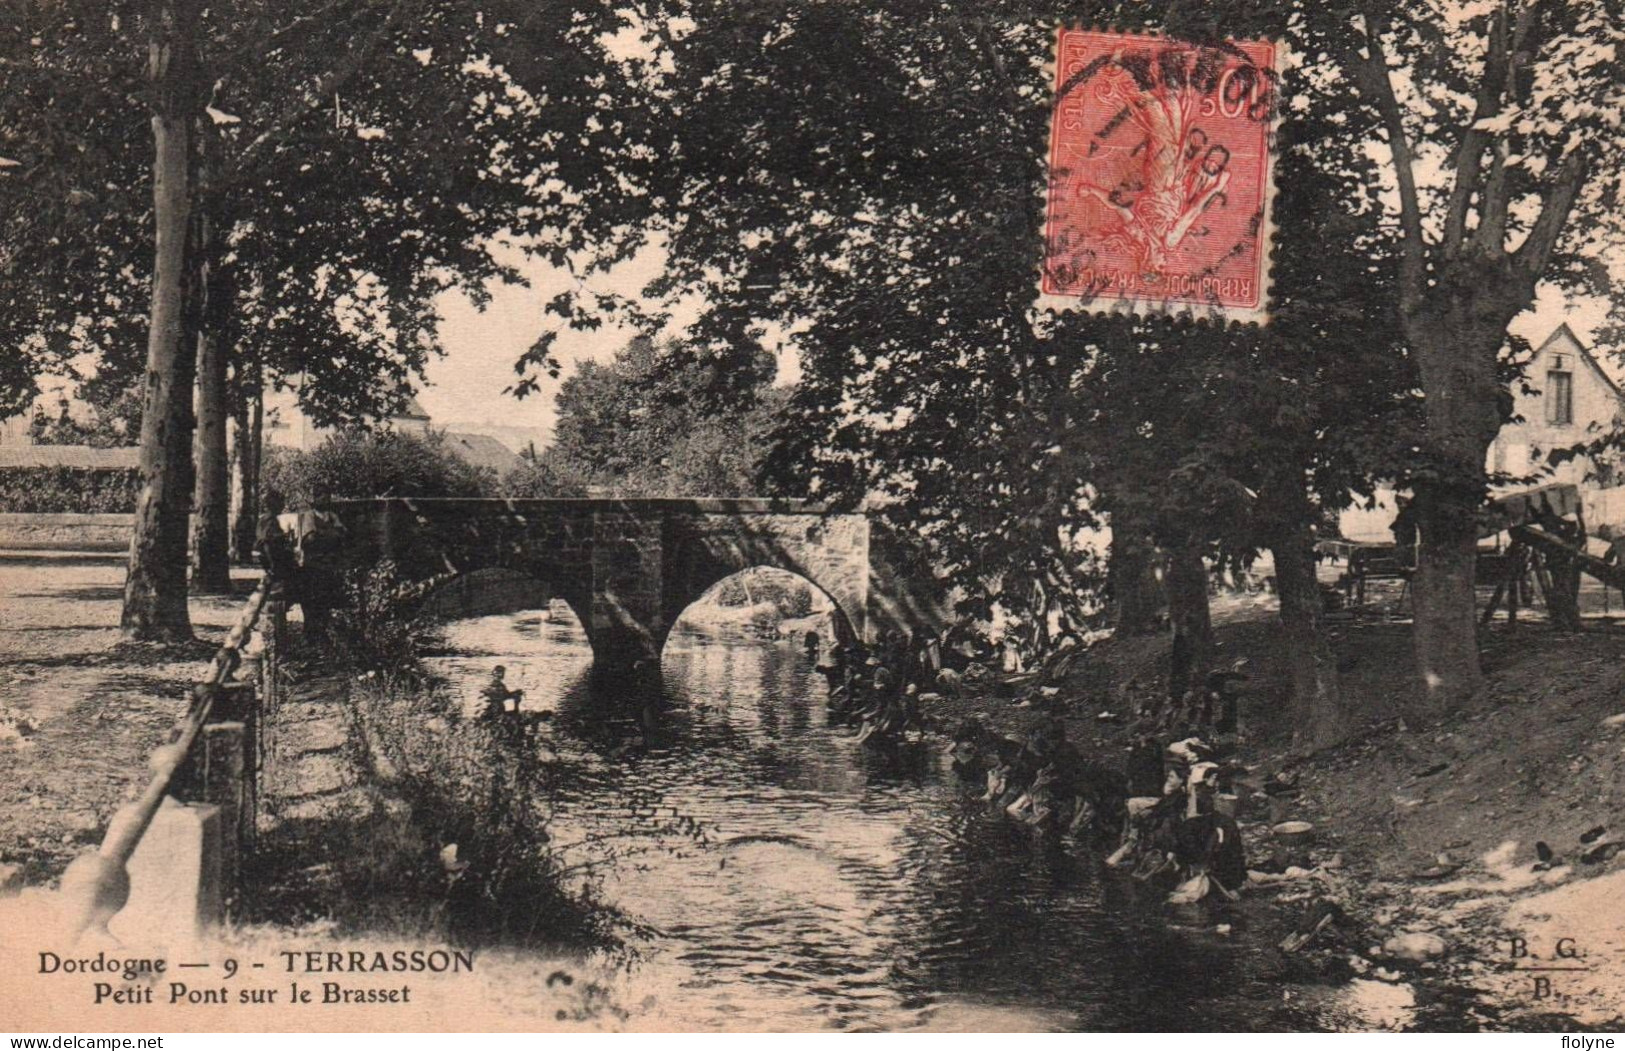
(1159, 819)
(878, 692)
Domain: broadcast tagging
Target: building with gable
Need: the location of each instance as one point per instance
(1566, 399)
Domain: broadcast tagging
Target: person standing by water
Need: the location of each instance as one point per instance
(321, 581)
(497, 695)
(275, 548)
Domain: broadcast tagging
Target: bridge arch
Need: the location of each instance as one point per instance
(830, 553)
(840, 620)
(487, 591)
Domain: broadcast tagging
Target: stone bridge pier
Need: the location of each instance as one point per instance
(628, 567)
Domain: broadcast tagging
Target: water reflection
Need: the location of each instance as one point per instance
(838, 886)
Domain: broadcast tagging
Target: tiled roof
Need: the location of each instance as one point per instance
(412, 410)
(482, 450)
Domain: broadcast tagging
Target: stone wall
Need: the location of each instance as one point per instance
(628, 623)
(488, 591)
(829, 551)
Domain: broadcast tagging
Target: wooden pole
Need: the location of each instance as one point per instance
(1515, 594)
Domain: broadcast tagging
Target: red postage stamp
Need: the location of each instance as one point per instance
(1160, 176)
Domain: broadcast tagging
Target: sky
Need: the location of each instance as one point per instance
(1584, 315)
(467, 384)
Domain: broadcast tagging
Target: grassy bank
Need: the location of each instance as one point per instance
(437, 825)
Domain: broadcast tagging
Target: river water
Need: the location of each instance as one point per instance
(834, 886)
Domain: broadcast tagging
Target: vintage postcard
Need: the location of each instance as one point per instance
(811, 517)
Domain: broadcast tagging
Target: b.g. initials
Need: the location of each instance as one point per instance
(1566, 957)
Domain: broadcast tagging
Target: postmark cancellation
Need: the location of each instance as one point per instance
(1161, 174)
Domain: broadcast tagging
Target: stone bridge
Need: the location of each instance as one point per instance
(628, 568)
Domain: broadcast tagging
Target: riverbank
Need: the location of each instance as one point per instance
(351, 857)
(1428, 833)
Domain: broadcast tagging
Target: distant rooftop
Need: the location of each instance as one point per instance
(481, 450)
(411, 410)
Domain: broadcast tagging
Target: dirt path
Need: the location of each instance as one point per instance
(79, 709)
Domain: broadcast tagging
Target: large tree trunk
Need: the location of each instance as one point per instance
(1193, 626)
(1137, 594)
(211, 555)
(1319, 718)
(247, 425)
(155, 588)
(1564, 604)
(1457, 343)
(1446, 628)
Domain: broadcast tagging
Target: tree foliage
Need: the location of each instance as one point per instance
(542, 478)
(873, 179)
(67, 490)
(1496, 124)
(867, 180)
(358, 161)
(651, 423)
(358, 465)
(331, 167)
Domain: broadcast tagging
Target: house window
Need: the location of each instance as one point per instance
(1559, 397)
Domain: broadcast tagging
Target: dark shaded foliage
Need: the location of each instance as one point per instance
(366, 464)
(65, 490)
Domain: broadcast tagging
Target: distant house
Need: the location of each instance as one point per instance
(48, 407)
(288, 427)
(411, 419)
(482, 450)
(1571, 400)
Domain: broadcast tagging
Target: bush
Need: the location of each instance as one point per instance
(542, 478)
(360, 465)
(68, 490)
(479, 786)
(383, 626)
(790, 594)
